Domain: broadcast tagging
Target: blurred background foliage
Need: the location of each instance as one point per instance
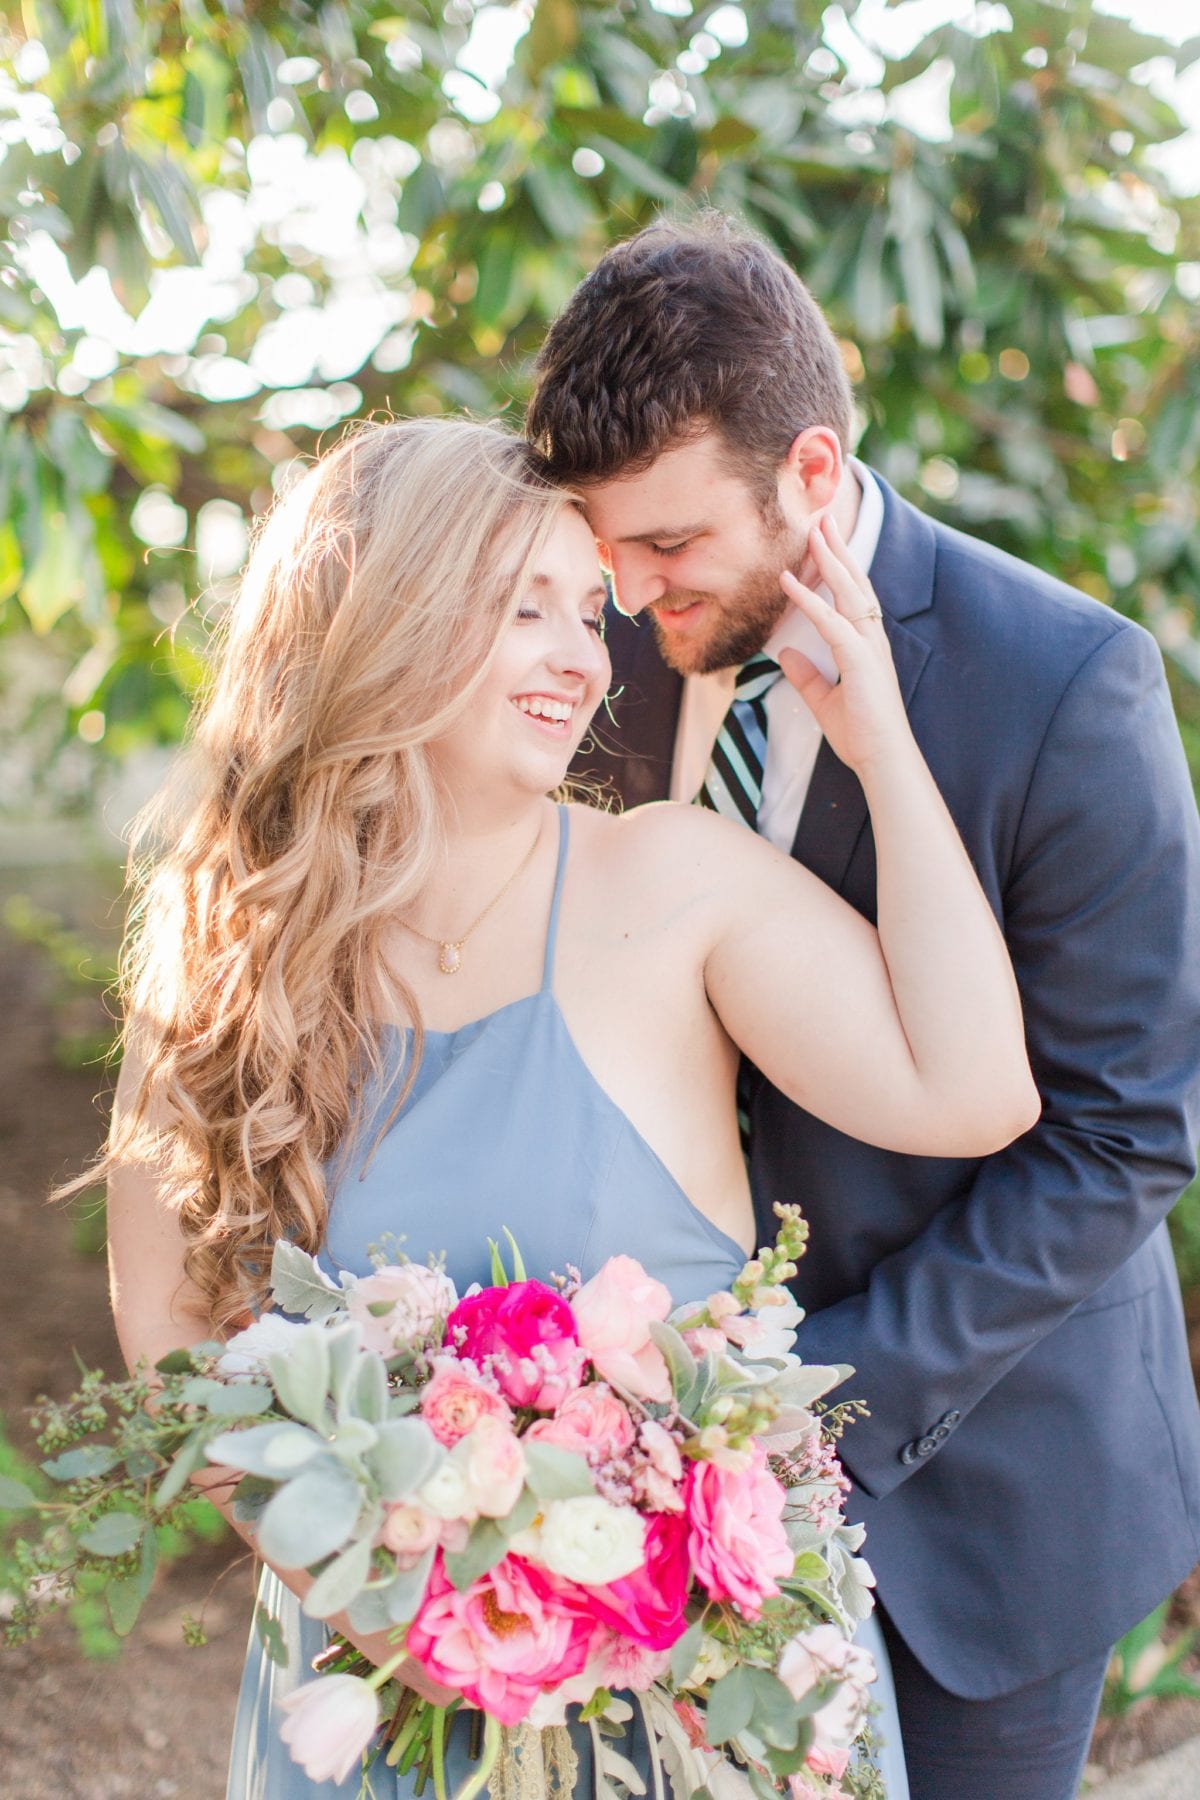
(230, 224)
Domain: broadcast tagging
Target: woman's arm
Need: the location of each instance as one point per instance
(908, 1036)
(156, 1308)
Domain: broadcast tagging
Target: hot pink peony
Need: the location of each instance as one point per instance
(509, 1635)
(737, 1541)
(525, 1334)
(613, 1312)
(454, 1398)
(591, 1421)
(648, 1606)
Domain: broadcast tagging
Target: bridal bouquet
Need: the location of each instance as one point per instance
(550, 1495)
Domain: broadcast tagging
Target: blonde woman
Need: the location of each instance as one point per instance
(379, 982)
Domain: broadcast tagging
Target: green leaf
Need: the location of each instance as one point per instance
(499, 1273)
(270, 1636)
(310, 1517)
(15, 1496)
(224, 1399)
(556, 1474)
(276, 1450)
(775, 1719)
(298, 1286)
(485, 1547)
(810, 1567)
(644, 176)
(730, 1705)
(404, 1457)
(367, 1394)
(124, 1597)
(83, 1462)
(113, 1534)
(186, 1460)
(301, 1375)
(680, 1362)
(176, 1362)
(518, 1261)
(522, 1515)
(684, 1652)
(339, 1582)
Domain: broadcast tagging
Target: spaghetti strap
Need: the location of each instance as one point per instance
(564, 832)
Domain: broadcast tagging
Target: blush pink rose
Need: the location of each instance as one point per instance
(525, 1335)
(592, 1422)
(416, 1299)
(500, 1642)
(648, 1606)
(454, 1398)
(736, 1539)
(613, 1312)
(820, 1655)
(408, 1531)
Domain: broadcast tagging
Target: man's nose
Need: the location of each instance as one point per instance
(636, 585)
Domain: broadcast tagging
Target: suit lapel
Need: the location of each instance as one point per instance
(835, 810)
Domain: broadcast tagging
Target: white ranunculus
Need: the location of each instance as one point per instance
(588, 1539)
(400, 1305)
(247, 1351)
(448, 1493)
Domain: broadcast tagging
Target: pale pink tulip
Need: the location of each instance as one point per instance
(330, 1723)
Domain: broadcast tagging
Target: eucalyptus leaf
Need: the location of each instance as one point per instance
(730, 1705)
(124, 1597)
(340, 1582)
(270, 1636)
(522, 1515)
(239, 1399)
(485, 1547)
(84, 1461)
(15, 1496)
(556, 1474)
(404, 1457)
(187, 1459)
(113, 1534)
(298, 1285)
(250, 1499)
(684, 1652)
(311, 1516)
(775, 1718)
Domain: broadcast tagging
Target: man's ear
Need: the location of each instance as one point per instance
(810, 472)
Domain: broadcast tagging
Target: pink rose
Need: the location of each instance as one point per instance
(525, 1335)
(493, 1463)
(454, 1398)
(399, 1305)
(509, 1635)
(614, 1311)
(408, 1531)
(736, 1539)
(591, 1421)
(648, 1606)
(824, 1655)
(330, 1723)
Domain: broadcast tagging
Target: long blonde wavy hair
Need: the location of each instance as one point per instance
(303, 817)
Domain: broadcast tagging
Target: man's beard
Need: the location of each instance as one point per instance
(740, 625)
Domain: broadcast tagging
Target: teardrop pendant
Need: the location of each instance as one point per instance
(450, 957)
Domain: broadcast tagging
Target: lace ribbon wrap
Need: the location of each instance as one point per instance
(534, 1765)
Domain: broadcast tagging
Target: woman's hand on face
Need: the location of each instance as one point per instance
(862, 713)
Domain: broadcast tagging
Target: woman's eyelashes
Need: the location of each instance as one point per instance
(593, 621)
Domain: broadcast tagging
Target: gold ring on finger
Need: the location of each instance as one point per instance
(872, 612)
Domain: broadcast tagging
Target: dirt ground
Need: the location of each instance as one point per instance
(156, 1722)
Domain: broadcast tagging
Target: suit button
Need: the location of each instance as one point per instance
(926, 1446)
(909, 1453)
(951, 1418)
(940, 1433)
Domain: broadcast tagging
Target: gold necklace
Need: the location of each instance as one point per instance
(450, 949)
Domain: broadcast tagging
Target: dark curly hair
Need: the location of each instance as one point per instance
(695, 323)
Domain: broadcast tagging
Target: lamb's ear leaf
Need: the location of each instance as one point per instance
(340, 1582)
(311, 1516)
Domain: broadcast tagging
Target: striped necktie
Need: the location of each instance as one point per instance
(733, 785)
(733, 781)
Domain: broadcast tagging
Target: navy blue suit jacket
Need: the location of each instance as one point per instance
(1030, 1472)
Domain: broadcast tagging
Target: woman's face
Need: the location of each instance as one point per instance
(550, 672)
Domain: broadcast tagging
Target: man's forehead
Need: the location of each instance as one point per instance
(673, 494)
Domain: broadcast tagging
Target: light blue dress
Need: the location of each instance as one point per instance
(505, 1126)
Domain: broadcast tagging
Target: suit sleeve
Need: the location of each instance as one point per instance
(1102, 918)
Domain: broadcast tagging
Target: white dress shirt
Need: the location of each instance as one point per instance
(793, 735)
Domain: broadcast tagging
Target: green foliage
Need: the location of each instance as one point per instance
(1184, 1222)
(1016, 300)
(1146, 1664)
